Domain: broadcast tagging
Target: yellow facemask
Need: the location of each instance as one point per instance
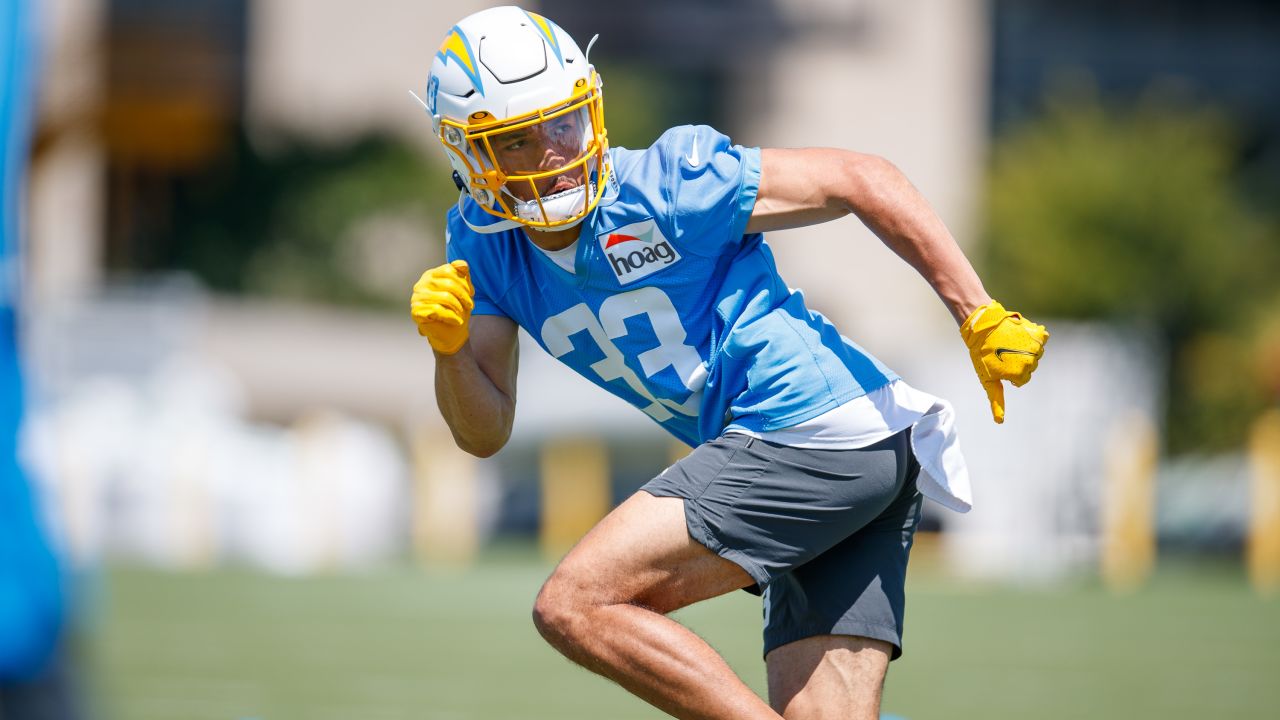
(544, 169)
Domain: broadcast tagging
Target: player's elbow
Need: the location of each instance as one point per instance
(484, 446)
(865, 179)
(863, 170)
(484, 452)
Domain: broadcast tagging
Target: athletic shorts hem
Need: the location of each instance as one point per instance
(874, 631)
(702, 534)
(824, 534)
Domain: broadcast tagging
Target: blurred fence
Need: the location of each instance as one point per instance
(147, 450)
(179, 431)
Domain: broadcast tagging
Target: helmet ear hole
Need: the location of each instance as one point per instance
(457, 180)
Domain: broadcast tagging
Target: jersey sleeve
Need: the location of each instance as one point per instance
(482, 277)
(710, 187)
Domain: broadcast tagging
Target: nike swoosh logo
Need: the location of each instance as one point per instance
(1011, 351)
(693, 156)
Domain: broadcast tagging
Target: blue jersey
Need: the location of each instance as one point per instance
(31, 600)
(672, 305)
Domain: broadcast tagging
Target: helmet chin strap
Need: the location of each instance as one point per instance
(557, 228)
(559, 206)
(564, 204)
(494, 227)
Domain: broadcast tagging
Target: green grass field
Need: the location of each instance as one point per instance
(459, 646)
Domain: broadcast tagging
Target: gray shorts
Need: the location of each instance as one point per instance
(824, 533)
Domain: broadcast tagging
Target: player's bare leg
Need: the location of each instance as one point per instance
(604, 608)
(828, 677)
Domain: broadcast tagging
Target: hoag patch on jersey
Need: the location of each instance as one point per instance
(637, 251)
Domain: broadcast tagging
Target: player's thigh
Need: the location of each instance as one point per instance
(825, 677)
(642, 553)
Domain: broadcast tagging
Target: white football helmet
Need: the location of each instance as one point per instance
(519, 111)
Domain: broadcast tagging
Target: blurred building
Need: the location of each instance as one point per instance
(142, 97)
(1220, 53)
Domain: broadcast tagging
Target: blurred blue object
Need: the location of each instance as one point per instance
(31, 600)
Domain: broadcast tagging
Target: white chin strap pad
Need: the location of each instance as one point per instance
(557, 228)
(558, 206)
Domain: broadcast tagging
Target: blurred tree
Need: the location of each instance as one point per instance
(641, 101)
(1267, 364)
(351, 225)
(1132, 216)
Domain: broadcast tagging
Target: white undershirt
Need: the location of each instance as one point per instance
(882, 413)
(858, 423)
(564, 257)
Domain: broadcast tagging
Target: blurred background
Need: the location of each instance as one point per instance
(230, 428)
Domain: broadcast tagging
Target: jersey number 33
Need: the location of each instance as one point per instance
(672, 350)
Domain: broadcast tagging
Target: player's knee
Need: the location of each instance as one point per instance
(559, 618)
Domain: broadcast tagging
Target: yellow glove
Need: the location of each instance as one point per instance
(1003, 346)
(441, 306)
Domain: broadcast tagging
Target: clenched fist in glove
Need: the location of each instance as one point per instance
(442, 304)
(1003, 346)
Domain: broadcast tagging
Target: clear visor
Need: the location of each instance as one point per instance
(540, 168)
(546, 157)
(544, 147)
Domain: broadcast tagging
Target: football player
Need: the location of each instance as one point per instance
(35, 679)
(646, 271)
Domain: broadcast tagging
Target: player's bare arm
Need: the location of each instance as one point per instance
(813, 185)
(476, 359)
(476, 386)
